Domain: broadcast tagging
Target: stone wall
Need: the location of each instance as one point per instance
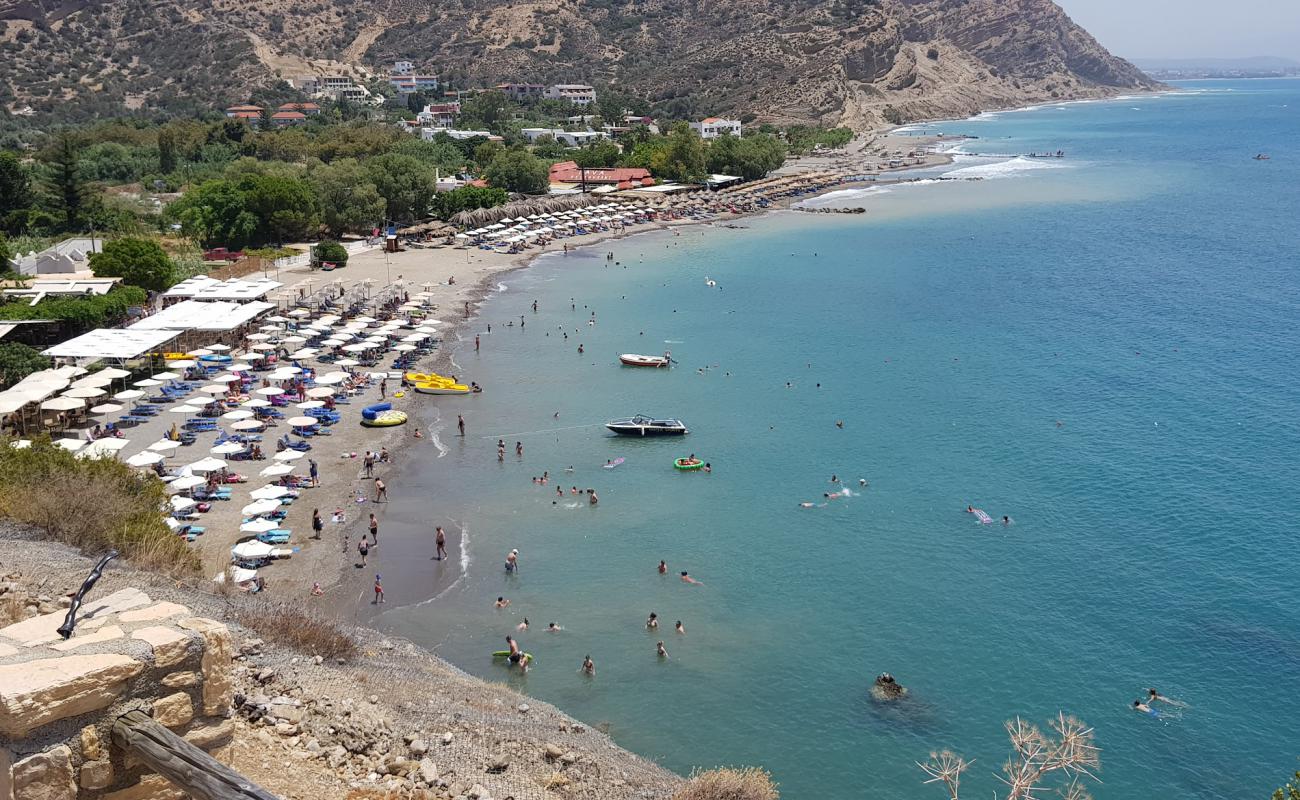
(59, 699)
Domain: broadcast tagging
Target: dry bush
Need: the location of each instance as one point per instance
(11, 610)
(92, 504)
(380, 794)
(729, 784)
(297, 629)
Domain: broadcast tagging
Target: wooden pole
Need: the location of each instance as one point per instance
(184, 765)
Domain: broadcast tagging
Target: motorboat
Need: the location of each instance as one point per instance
(636, 360)
(632, 359)
(641, 425)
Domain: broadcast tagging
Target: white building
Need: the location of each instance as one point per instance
(576, 93)
(67, 257)
(714, 127)
(428, 134)
(566, 138)
(402, 68)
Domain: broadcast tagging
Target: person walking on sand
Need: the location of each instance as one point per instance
(317, 524)
(381, 491)
(313, 471)
(460, 423)
(383, 388)
(440, 539)
(379, 588)
(476, 343)
(368, 462)
(374, 528)
(363, 547)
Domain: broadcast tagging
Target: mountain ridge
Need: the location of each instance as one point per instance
(861, 63)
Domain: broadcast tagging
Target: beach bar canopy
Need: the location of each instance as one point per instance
(192, 315)
(201, 287)
(115, 343)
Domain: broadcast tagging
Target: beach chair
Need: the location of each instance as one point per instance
(277, 536)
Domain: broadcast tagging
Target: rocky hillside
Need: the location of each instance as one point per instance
(859, 62)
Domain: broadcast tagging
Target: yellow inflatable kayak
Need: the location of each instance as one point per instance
(431, 377)
(439, 387)
(385, 419)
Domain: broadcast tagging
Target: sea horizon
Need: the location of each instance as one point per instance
(975, 357)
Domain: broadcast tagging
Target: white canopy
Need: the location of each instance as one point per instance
(263, 506)
(193, 315)
(120, 343)
(228, 448)
(103, 447)
(269, 493)
(208, 464)
(259, 526)
(145, 459)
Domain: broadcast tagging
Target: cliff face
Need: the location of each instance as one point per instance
(857, 62)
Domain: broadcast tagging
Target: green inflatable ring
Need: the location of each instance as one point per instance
(686, 465)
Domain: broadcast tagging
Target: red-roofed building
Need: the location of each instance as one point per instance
(284, 119)
(309, 109)
(250, 114)
(570, 172)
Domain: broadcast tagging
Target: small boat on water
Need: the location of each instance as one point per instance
(636, 360)
(641, 425)
(1261, 156)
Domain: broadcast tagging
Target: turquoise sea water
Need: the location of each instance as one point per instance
(1102, 348)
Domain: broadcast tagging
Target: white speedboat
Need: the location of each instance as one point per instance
(637, 360)
(641, 425)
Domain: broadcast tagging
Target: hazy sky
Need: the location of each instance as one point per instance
(1191, 28)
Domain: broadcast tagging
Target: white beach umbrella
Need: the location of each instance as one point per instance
(269, 492)
(114, 373)
(248, 425)
(103, 447)
(253, 548)
(185, 483)
(182, 363)
(164, 446)
(228, 448)
(320, 392)
(277, 318)
(200, 352)
(309, 404)
(295, 339)
(256, 402)
(72, 445)
(184, 408)
(264, 506)
(239, 413)
(214, 388)
(63, 404)
(146, 383)
(238, 366)
(300, 312)
(208, 464)
(258, 337)
(276, 470)
(356, 348)
(290, 455)
(269, 391)
(306, 352)
(96, 380)
(218, 348)
(85, 392)
(146, 459)
(262, 346)
(106, 408)
(129, 394)
(167, 376)
(403, 348)
(258, 526)
(179, 503)
(303, 422)
(225, 377)
(328, 379)
(344, 362)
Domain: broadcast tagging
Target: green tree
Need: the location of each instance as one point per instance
(138, 262)
(17, 361)
(749, 157)
(349, 201)
(485, 110)
(286, 207)
(445, 157)
(15, 187)
(466, 198)
(679, 156)
(485, 152)
(329, 252)
(546, 146)
(67, 187)
(519, 171)
(215, 214)
(599, 154)
(406, 183)
(167, 150)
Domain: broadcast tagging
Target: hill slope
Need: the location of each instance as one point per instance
(829, 61)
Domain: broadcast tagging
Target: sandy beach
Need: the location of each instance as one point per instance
(456, 279)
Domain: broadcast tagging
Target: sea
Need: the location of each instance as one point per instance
(1102, 348)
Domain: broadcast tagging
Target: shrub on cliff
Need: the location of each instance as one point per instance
(92, 504)
(729, 784)
(291, 626)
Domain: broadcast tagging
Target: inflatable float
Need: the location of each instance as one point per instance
(382, 415)
(984, 519)
(688, 464)
(439, 387)
(506, 654)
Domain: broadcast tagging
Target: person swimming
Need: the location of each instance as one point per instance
(501, 602)
(553, 628)
(661, 650)
(1143, 708)
(653, 621)
(589, 666)
(1154, 696)
(663, 567)
(679, 627)
(686, 578)
(523, 626)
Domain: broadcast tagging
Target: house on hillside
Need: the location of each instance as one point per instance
(285, 119)
(568, 175)
(522, 91)
(439, 115)
(713, 127)
(566, 138)
(308, 109)
(577, 93)
(250, 114)
(402, 68)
